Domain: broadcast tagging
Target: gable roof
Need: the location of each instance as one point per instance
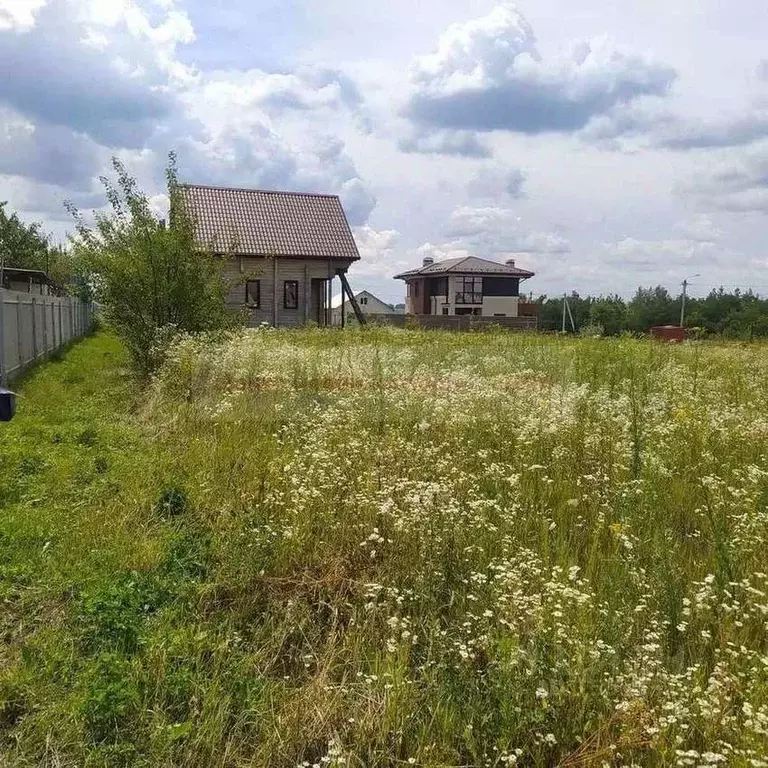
(17, 273)
(467, 265)
(336, 301)
(255, 222)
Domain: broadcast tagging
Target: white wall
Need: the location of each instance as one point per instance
(438, 304)
(500, 305)
(372, 306)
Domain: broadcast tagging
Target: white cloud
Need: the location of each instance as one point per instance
(487, 75)
(378, 253)
(700, 229)
(445, 142)
(19, 15)
(437, 253)
(50, 154)
(103, 76)
(658, 256)
(496, 182)
(736, 182)
(497, 231)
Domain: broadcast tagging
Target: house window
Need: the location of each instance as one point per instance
(416, 290)
(469, 290)
(253, 293)
(445, 310)
(364, 300)
(291, 294)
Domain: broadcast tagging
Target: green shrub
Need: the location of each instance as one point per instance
(110, 704)
(112, 615)
(153, 280)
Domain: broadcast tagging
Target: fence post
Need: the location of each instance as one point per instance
(34, 329)
(45, 327)
(18, 332)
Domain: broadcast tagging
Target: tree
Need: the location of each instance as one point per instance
(26, 246)
(610, 313)
(652, 306)
(153, 280)
(23, 246)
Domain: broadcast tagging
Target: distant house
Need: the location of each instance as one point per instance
(368, 303)
(464, 286)
(29, 281)
(284, 249)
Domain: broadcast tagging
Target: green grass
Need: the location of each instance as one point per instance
(388, 548)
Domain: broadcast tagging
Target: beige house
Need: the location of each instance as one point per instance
(368, 303)
(284, 250)
(464, 286)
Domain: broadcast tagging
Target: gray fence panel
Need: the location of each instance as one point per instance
(34, 326)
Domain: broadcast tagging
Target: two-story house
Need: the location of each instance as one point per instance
(283, 250)
(464, 286)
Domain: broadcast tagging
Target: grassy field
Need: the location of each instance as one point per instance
(388, 548)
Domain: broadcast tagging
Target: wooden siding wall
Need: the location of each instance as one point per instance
(273, 273)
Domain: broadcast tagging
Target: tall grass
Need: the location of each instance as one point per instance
(390, 548)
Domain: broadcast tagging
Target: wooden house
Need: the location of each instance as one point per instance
(284, 250)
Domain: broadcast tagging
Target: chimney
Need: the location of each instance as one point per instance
(510, 262)
(428, 260)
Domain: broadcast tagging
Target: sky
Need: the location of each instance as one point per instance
(603, 145)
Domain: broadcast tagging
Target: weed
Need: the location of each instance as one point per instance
(111, 615)
(110, 704)
(171, 502)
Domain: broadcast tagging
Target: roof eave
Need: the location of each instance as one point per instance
(308, 257)
(521, 274)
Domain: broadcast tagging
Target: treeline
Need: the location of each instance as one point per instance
(737, 315)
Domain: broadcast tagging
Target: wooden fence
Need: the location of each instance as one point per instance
(34, 326)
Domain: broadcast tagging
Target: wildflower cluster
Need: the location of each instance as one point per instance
(494, 549)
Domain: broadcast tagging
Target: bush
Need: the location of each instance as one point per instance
(153, 280)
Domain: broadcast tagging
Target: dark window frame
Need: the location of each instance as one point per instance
(469, 290)
(295, 303)
(249, 295)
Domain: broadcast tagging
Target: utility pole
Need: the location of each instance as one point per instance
(570, 314)
(685, 294)
(565, 304)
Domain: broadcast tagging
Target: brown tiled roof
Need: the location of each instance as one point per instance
(467, 265)
(254, 222)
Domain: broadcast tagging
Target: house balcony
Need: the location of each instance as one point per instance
(469, 298)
